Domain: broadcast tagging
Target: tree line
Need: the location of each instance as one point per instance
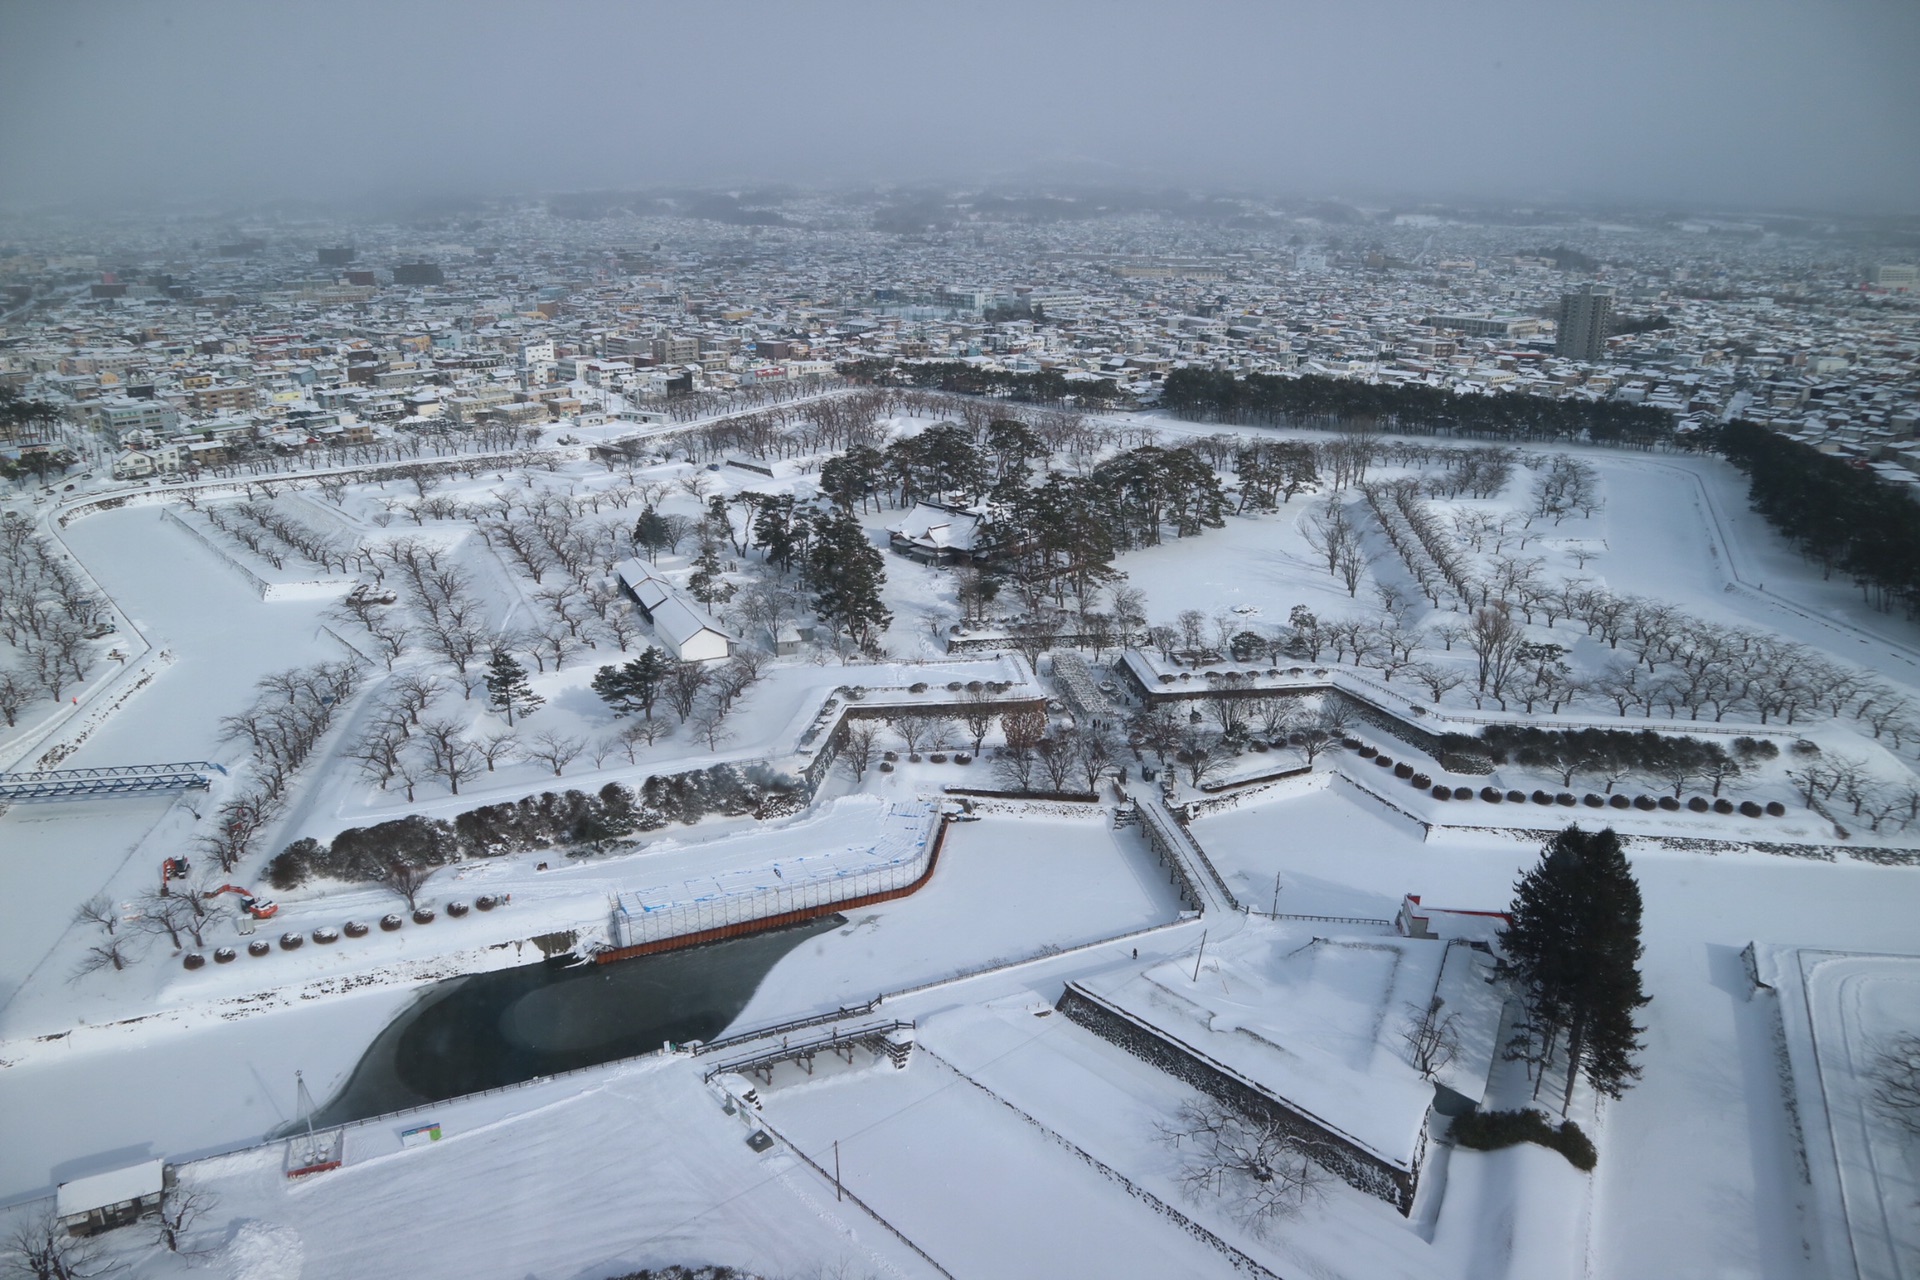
(1839, 514)
(588, 823)
(1313, 400)
(1047, 386)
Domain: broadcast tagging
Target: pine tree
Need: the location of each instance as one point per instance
(634, 685)
(507, 687)
(846, 573)
(1574, 944)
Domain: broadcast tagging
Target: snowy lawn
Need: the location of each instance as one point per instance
(1708, 1111)
(1008, 888)
(640, 1168)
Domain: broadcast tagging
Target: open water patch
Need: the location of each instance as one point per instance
(486, 1030)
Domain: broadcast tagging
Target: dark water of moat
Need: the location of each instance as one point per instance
(491, 1029)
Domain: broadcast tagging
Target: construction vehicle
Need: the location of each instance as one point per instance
(171, 869)
(257, 907)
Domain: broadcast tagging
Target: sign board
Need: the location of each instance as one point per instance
(420, 1135)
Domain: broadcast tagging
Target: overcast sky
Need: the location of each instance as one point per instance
(1719, 103)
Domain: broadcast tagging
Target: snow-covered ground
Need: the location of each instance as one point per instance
(617, 1168)
(1839, 1012)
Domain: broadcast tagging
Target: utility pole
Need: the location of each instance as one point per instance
(1200, 955)
(1276, 893)
(836, 1170)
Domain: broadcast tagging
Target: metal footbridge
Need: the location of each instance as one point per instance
(120, 780)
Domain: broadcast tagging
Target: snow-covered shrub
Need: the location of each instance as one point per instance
(1492, 1130)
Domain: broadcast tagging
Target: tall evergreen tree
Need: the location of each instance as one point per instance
(846, 572)
(635, 685)
(508, 689)
(1574, 945)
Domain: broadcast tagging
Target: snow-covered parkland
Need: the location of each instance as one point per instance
(1215, 811)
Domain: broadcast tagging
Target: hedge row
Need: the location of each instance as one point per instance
(1492, 1130)
(548, 820)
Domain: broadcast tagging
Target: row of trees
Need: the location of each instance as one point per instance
(1840, 515)
(1048, 386)
(1613, 755)
(397, 851)
(291, 712)
(46, 613)
(1308, 400)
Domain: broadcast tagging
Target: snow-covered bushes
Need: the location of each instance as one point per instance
(592, 823)
(1492, 1130)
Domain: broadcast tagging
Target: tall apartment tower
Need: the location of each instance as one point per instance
(1586, 318)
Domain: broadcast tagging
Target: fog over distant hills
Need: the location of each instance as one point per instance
(1725, 103)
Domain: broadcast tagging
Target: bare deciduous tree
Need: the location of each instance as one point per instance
(38, 1246)
(1261, 1171)
(920, 728)
(99, 910)
(404, 878)
(1431, 1037)
(857, 746)
(1896, 1081)
(555, 750)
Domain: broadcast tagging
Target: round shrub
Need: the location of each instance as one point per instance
(354, 929)
(1698, 804)
(456, 909)
(1593, 801)
(1619, 802)
(224, 955)
(886, 766)
(953, 686)
(1366, 752)
(1748, 809)
(1463, 793)
(390, 922)
(1723, 805)
(259, 947)
(1441, 791)
(938, 757)
(486, 902)
(1351, 744)
(1541, 797)
(973, 686)
(192, 960)
(1258, 745)
(889, 756)
(423, 915)
(1517, 797)
(291, 941)
(1491, 795)
(1668, 803)
(1422, 780)
(1775, 809)
(1644, 802)
(1385, 762)
(326, 935)
(1403, 770)
(1564, 799)
(961, 757)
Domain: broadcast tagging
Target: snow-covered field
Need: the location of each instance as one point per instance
(1020, 1144)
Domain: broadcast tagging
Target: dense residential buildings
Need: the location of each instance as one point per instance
(525, 319)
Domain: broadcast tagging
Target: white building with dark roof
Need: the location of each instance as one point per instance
(684, 629)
